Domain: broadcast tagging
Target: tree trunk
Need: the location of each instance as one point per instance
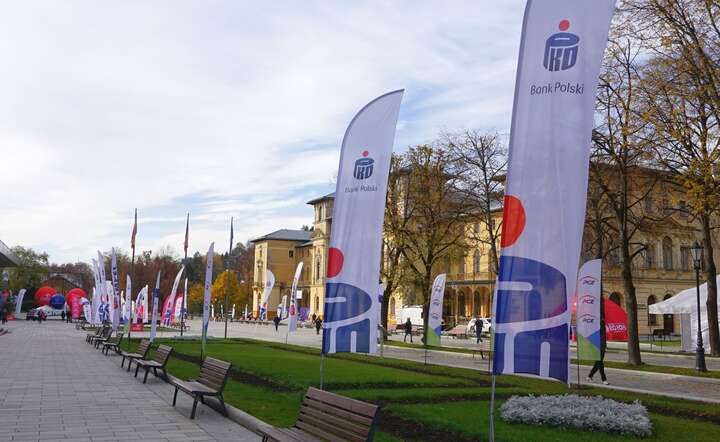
(425, 287)
(384, 307)
(634, 357)
(711, 271)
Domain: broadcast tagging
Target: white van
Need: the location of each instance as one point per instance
(414, 312)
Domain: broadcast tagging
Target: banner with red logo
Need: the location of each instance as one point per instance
(588, 318)
(293, 311)
(269, 284)
(434, 331)
(561, 50)
(353, 269)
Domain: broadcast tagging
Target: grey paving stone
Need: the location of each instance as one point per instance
(56, 387)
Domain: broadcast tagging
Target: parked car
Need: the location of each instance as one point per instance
(486, 325)
(415, 313)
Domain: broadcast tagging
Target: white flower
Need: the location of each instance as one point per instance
(583, 412)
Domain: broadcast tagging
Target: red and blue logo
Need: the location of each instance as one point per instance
(363, 167)
(561, 49)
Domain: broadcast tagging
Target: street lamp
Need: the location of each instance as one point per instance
(697, 255)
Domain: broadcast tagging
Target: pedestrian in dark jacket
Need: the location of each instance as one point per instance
(318, 325)
(408, 330)
(478, 330)
(599, 365)
(276, 321)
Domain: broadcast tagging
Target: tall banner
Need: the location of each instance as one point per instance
(18, 302)
(269, 283)
(96, 294)
(282, 308)
(128, 304)
(154, 317)
(293, 311)
(104, 304)
(170, 302)
(141, 306)
(206, 299)
(432, 336)
(183, 310)
(115, 299)
(246, 312)
(588, 310)
(353, 269)
(561, 50)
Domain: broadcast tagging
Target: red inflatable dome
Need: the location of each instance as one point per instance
(73, 301)
(43, 295)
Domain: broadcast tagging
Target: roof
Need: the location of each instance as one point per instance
(7, 257)
(285, 235)
(305, 244)
(329, 196)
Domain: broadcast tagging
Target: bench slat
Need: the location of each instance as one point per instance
(339, 413)
(330, 421)
(358, 407)
(336, 436)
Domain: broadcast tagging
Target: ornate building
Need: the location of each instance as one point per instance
(662, 270)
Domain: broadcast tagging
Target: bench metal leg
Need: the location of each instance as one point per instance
(175, 396)
(147, 371)
(122, 363)
(137, 367)
(222, 402)
(192, 414)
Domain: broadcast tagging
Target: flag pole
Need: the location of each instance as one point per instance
(322, 368)
(227, 269)
(184, 301)
(132, 276)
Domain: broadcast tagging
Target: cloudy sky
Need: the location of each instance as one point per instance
(220, 108)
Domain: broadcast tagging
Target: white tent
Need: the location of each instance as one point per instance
(685, 304)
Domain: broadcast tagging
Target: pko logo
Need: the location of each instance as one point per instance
(363, 167)
(561, 49)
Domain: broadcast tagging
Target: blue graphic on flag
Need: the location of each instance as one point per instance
(363, 168)
(561, 51)
(531, 302)
(343, 303)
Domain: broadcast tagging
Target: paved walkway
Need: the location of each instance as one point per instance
(54, 386)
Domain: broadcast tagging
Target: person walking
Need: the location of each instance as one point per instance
(276, 321)
(478, 330)
(318, 325)
(408, 330)
(600, 365)
(62, 315)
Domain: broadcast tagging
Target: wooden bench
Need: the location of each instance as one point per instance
(328, 416)
(211, 382)
(110, 344)
(458, 332)
(141, 352)
(159, 360)
(103, 337)
(90, 336)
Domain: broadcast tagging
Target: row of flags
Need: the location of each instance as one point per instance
(561, 50)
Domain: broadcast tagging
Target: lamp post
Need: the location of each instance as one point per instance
(697, 254)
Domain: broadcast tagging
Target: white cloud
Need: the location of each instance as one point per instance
(220, 108)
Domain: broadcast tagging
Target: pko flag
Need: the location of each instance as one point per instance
(353, 271)
(561, 50)
(587, 313)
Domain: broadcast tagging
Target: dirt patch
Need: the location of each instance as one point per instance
(416, 431)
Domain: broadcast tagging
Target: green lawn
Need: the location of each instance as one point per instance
(420, 402)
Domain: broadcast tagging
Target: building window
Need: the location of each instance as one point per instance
(683, 207)
(317, 270)
(461, 304)
(667, 253)
(392, 307)
(476, 228)
(462, 264)
(649, 256)
(652, 319)
(649, 204)
(476, 262)
(291, 254)
(685, 258)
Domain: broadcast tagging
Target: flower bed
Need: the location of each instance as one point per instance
(594, 413)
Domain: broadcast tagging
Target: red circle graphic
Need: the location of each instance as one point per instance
(335, 262)
(513, 221)
(564, 25)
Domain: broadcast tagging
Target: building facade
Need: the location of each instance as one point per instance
(660, 271)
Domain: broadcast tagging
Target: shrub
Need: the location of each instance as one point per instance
(583, 412)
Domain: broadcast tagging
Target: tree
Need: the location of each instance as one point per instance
(397, 217)
(480, 161)
(620, 150)
(31, 270)
(227, 283)
(687, 142)
(438, 215)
